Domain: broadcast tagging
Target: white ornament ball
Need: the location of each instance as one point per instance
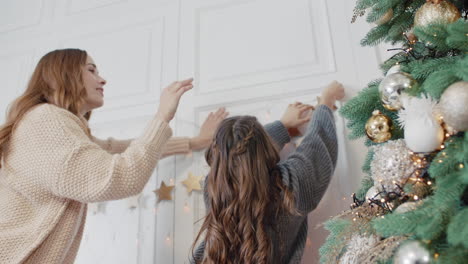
(423, 133)
(454, 106)
(422, 137)
(412, 253)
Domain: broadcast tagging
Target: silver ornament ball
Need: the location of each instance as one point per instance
(391, 88)
(394, 69)
(412, 253)
(454, 106)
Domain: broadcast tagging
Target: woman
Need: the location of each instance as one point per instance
(257, 206)
(51, 165)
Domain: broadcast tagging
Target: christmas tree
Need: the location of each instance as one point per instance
(412, 203)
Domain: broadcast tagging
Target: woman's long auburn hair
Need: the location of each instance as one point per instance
(57, 79)
(244, 192)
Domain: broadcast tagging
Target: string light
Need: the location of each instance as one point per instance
(171, 181)
(429, 183)
(440, 161)
(186, 208)
(415, 197)
(168, 240)
(308, 242)
(436, 255)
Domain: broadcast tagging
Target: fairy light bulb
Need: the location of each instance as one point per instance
(171, 181)
(429, 183)
(415, 197)
(186, 208)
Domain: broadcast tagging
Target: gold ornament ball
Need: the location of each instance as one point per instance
(454, 106)
(378, 127)
(385, 18)
(443, 12)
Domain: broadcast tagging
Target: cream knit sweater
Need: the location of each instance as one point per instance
(52, 169)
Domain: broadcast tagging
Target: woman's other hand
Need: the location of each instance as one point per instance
(170, 97)
(208, 129)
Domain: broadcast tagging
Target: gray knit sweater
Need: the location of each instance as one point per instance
(307, 173)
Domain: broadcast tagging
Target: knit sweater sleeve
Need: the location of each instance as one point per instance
(81, 170)
(278, 132)
(175, 145)
(198, 253)
(308, 170)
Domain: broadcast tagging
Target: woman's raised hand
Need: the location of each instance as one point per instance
(208, 129)
(170, 97)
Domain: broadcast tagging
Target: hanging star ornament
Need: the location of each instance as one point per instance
(164, 192)
(192, 183)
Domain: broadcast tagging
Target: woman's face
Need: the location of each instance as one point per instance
(94, 85)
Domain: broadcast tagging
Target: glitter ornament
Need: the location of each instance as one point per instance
(430, 13)
(378, 127)
(454, 106)
(391, 88)
(372, 193)
(412, 253)
(357, 247)
(423, 133)
(391, 164)
(406, 207)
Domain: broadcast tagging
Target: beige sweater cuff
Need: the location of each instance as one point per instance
(177, 145)
(156, 130)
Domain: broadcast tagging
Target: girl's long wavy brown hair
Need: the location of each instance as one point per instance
(57, 79)
(244, 191)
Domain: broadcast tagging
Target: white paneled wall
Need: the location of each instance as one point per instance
(251, 56)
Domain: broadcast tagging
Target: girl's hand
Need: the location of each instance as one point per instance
(208, 130)
(334, 91)
(294, 115)
(170, 97)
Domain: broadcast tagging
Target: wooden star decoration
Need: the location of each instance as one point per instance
(164, 192)
(192, 183)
